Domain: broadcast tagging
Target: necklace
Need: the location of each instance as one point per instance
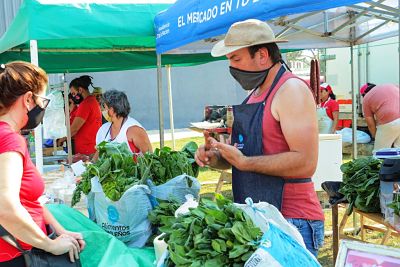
(109, 130)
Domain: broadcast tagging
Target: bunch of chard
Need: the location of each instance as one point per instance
(213, 234)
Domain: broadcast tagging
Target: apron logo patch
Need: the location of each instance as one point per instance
(241, 139)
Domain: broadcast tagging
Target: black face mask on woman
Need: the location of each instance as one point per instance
(35, 117)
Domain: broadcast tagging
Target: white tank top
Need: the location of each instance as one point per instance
(104, 133)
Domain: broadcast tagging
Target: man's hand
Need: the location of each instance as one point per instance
(231, 154)
(205, 153)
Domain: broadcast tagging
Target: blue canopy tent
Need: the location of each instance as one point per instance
(195, 26)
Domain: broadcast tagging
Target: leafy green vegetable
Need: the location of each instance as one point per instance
(166, 164)
(213, 234)
(361, 184)
(118, 172)
(395, 205)
(162, 214)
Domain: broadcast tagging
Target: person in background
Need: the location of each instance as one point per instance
(22, 106)
(381, 110)
(87, 120)
(98, 93)
(73, 107)
(274, 142)
(327, 111)
(122, 128)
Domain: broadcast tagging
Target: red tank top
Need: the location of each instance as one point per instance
(300, 200)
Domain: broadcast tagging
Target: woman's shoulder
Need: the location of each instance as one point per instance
(10, 140)
(131, 122)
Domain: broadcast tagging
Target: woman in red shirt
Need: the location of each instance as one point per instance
(87, 119)
(22, 106)
(327, 111)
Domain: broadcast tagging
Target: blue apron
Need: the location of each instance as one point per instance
(247, 134)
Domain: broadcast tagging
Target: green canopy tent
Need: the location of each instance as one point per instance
(87, 36)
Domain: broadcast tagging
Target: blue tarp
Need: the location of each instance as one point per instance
(189, 21)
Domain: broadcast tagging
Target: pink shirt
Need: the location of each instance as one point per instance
(382, 102)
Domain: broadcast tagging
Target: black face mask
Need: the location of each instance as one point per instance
(35, 117)
(250, 80)
(78, 98)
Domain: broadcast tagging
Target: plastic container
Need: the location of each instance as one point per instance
(387, 153)
(389, 176)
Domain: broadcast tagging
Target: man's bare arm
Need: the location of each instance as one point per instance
(295, 108)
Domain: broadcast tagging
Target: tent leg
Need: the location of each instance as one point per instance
(67, 124)
(367, 63)
(354, 105)
(38, 130)
(160, 106)
(359, 55)
(171, 108)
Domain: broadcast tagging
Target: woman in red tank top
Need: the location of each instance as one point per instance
(22, 106)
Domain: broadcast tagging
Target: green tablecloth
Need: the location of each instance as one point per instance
(102, 250)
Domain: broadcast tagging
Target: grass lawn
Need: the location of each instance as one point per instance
(325, 254)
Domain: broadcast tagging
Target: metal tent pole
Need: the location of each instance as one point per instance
(160, 106)
(354, 106)
(38, 130)
(171, 108)
(67, 123)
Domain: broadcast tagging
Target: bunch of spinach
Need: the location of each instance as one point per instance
(395, 205)
(162, 214)
(361, 184)
(116, 170)
(213, 234)
(166, 164)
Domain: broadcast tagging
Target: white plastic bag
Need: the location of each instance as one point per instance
(263, 213)
(54, 117)
(160, 247)
(282, 244)
(347, 136)
(176, 188)
(184, 208)
(126, 219)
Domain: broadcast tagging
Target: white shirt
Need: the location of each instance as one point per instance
(104, 133)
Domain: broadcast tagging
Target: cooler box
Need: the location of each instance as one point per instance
(329, 160)
(389, 176)
(345, 105)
